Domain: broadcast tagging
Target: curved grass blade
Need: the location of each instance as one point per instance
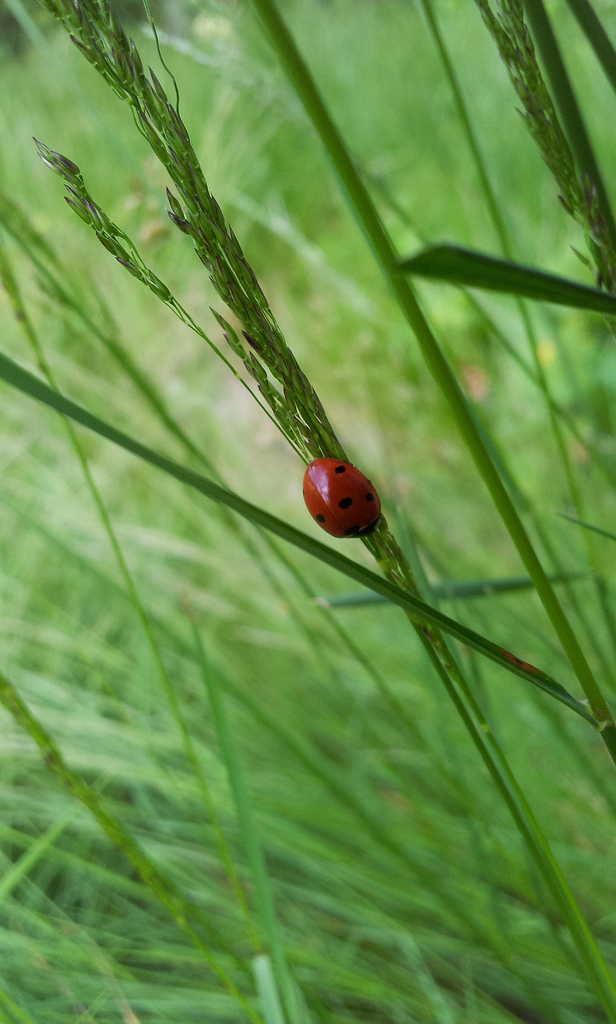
(590, 955)
(263, 892)
(461, 266)
(598, 38)
(30, 385)
(385, 254)
(37, 849)
(568, 107)
(26, 23)
(266, 987)
(454, 590)
(165, 890)
(50, 270)
(18, 1016)
(589, 526)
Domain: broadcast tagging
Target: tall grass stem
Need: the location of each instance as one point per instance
(264, 896)
(383, 250)
(568, 107)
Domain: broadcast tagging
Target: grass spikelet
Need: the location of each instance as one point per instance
(578, 194)
(273, 375)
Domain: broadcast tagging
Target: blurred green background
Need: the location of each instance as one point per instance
(458, 929)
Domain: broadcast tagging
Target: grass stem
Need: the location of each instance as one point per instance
(383, 250)
(567, 103)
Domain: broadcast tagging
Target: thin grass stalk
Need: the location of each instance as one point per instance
(472, 717)
(504, 238)
(427, 592)
(146, 387)
(268, 993)
(383, 250)
(578, 192)
(501, 945)
(590, 446)
(354, 800)
(584, 152)
(566, 101)
(407, 599)
(297, 408)
(598, 38)
(268, 723)
(595, 967)
(163, 888)
(37, 849)
(264, 896)
(102, 962)
(221, 255)
(301, 414)
(366, 213)
(347, 640)
(27, 24)
(10, 283)
(18, 1015)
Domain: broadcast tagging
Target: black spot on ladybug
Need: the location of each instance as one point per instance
(351, 530)
(370, 496)
(340, 469)
(320, 518)
(345, 503)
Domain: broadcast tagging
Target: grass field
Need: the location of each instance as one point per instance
(402, 889)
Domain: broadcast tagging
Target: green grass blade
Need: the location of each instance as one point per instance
(595, 966)
(264, 896)
(384, 252)
(568, 106)
(454, 590)
(597, 37)
(435, 996)
(589, 526)
(9, 1006)
(48, 264)
(27, 383)
(537, 374)
(577, 493)
(467, 127)
(266, 987)
(180, 908)
(26, 23)
(477, 270)
(10, 283)
(13, 875)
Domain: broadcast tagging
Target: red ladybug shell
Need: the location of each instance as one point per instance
(340, 498)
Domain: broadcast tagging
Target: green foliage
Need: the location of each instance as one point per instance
(387, 879)
(476, 270)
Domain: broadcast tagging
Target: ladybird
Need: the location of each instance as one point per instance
(340, 498)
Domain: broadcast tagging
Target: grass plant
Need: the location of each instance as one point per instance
(314, 818)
